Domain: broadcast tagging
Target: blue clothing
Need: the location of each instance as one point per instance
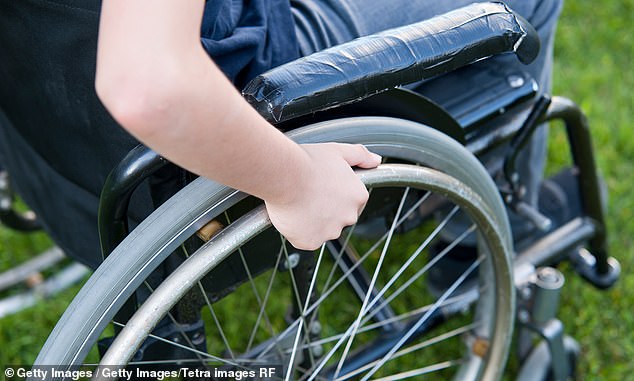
(246, 38)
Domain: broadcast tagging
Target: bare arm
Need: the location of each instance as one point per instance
(157, 81)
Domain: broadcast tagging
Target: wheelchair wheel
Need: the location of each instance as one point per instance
(376, 325)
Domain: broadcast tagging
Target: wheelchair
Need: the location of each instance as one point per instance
(205, 280)
(43, 275)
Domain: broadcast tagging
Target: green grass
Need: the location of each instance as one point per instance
(594, 52)
(23, 333)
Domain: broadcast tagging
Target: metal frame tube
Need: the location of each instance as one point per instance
(137, 166)
(556, 245)
(578, 132)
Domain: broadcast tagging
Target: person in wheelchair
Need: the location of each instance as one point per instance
(84, 82)
(60, 138)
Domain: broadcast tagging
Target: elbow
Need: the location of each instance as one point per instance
(137, 101)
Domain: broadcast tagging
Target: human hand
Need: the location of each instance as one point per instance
(327, 197)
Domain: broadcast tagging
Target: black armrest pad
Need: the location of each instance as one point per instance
(371, 64)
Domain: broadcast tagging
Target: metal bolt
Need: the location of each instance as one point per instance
(549, 278)
(515, 177)
(315, 328)
(5, 203)
(4, 180)
(317, 350)
(292, 261)
(198, 338)
(548, 274)
(523, 316)
(526, 292)
(515, 81)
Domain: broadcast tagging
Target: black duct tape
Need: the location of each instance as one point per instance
(372, 64)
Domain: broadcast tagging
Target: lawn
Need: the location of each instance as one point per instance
(593, 54)
(594, 51)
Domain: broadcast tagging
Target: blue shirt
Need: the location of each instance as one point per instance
(248, 37)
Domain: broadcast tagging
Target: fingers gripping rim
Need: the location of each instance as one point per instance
(166, 228)
(402, 139)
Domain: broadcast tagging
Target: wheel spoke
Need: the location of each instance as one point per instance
(407, 263)
(337, 257)
(375, 276)
(365, 255)
(244, 362)
(205, 355)
(369, 302)
(355, 325)
(421, 371)
(401, 317)
(253, 286)
(216, 321)
(417, 347)
(303, 314)
(266, 298)
(421, 272)
(211, 310)
(418, 324)
(175, 322)
(397, 223)
(298, 300)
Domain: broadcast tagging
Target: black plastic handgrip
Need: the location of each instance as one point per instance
(372, 64)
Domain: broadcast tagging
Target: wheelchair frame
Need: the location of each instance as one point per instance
(595, 266)
(563, 243)
(540, 302)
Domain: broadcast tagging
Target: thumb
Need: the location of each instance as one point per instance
(357, 155)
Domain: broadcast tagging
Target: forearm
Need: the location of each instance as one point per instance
(158, 83)
(221, 137)
(170, 95)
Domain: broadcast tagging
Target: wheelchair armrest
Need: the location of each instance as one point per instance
(372, 64)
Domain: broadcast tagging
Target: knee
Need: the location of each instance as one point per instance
(542, 14)
(545, 14)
